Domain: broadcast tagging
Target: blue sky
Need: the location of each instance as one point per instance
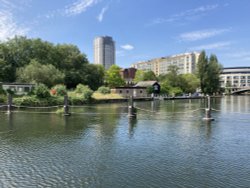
(142, 29)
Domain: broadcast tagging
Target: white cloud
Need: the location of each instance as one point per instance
(79, 7)
(127, 47)
(9, 27)
(213, 46)
(202, 34)
(100, 16)
(185, 15)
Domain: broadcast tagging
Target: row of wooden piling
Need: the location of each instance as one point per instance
(131, 108)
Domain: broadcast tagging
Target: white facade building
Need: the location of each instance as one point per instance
(186, 63)
(236, 77)
(104, 51)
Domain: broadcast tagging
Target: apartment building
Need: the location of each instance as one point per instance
(186, 63)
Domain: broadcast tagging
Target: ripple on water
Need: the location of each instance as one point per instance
(99, 151)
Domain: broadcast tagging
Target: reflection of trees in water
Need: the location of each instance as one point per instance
(108, 120)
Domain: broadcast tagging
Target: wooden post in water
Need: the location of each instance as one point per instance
(9, 105)
(131, 108)
(208, 116)
(66, 106)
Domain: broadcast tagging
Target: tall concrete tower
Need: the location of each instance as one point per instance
(104, 51)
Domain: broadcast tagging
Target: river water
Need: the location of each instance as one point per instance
(168, 145)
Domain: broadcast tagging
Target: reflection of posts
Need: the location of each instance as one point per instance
(208, 116)
(66, 106)
(9, 105)
(131, 108)
(132, 125)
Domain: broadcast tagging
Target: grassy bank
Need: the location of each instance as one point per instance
(74, 99)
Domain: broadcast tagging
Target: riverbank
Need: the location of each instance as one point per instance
(32, 101)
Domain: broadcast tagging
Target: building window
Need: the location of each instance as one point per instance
(120, 91)
(26, 89)
(140, 91)
(127, 91)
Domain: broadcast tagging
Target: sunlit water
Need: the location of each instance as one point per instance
(168, 145)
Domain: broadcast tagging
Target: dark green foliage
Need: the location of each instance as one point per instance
(208, 72)
(41, 91)
(103, 90)
(11, 92)
(2, 92)
(62, 59)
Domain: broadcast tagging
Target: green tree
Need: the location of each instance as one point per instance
(190, 83)
(113, 77)
(141, 75)
(202, 67)
(95, 76)
(149, 75)
(209, 73)
(175, 91)
(38, 73)
(173, 76)
(165, 87)
(214, 71)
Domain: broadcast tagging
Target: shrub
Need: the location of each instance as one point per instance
(59, 90)
(27, 101)
(77, 100)
(103, 90)
(3, 98)
(84, 90)
(42, 91)
(2, 92)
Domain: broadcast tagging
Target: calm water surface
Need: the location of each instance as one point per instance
(98, 146)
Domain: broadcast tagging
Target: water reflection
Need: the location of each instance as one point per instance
(132, 126)
(99, 146)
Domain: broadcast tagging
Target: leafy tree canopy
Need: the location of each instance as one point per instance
(208, 72)
(20, 51)
(38, 73)
(113, 77)
(141, 75)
